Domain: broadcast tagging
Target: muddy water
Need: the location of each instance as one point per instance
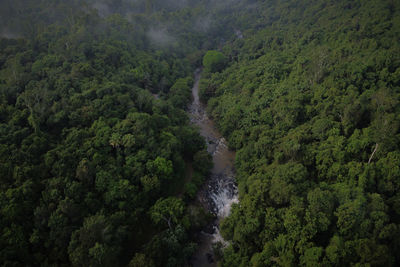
(220, 190)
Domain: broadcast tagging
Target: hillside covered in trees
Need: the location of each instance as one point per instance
(311, 104)
(99, 164)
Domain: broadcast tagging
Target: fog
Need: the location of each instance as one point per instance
(202, 24)
(9, 33)
(160, 37)
(159, 17)
(102, 8)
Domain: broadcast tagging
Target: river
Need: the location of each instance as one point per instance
(220, 191)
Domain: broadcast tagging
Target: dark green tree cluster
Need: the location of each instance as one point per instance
(94, 144)
(214, 61)
(311, 104)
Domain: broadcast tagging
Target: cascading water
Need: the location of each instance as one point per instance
(220, 191)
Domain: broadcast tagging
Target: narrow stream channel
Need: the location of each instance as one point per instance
(220, 191)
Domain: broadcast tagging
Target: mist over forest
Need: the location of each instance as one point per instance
(104, 160)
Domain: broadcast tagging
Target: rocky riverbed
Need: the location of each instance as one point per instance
(220, 191)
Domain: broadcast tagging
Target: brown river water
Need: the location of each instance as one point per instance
(220, 191)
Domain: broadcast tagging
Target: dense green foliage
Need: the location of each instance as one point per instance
(92, 165)
(99, 165)
(311, 104)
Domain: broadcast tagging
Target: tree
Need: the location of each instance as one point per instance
(140, 260)
(161, 168)
(168, 210)
(214, 61)
(37, 99)
(92, 243)
(312, 257)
